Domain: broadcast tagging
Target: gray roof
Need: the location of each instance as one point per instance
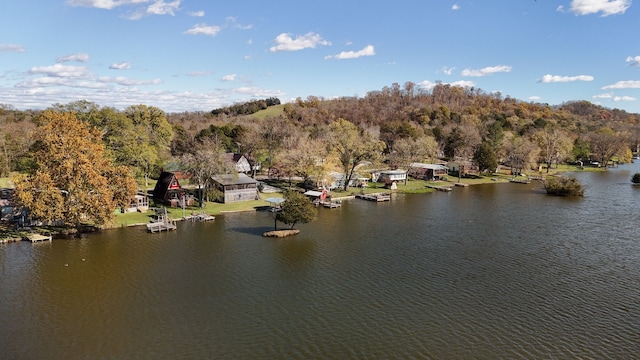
(233, 179)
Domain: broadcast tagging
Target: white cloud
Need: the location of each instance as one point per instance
(59, 70)
(486, 71)
(535, 98)
(162, 8)
(448, 70)
(49, 81)
(257, 92)
(603, 96)
(623, 98)
(104, 4)
(229, 77)
(455, 7)
(633, 60)
(73, 57)
(284, 42)
(428, 85)
(196, 13)
(368, 50)
(11, 48)
(233, 22)
(548, 78)
(627, 84)
(124, 81)
(120, 66)
(203, 29)
(606, 7)
(560, 8)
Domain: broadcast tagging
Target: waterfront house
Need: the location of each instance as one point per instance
(463, 168)
(338, 179)
(241, 163)
(429, 172)
(236, 187)
(169, 192)
(389, 177)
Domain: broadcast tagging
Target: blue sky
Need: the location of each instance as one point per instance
(188, 55)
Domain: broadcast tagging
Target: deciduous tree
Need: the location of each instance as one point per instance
(352, 146)
(74, 181)
(296, 208)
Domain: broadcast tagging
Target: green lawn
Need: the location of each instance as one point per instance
(5, 183)
(211, 208)
(270, 111)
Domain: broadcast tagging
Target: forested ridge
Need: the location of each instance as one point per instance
(445, 122)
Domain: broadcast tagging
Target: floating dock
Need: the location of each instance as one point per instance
(379, 197)
(440, 188)
(331, 204)
(159, 226)
(37, 237)
(200, 217)
(162, 224)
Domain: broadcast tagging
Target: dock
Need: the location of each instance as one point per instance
(378, 197)
(200, 217)
(331, 204)
(159, 226)
(440, 188)
(33, 237)
(163, 223)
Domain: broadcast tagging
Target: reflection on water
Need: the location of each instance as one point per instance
(491, 271)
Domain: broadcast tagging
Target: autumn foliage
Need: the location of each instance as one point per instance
(73, 182)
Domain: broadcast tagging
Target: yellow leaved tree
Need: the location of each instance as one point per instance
(74, 182)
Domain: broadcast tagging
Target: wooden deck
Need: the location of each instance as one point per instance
(163, 223)
(379, 197)
(159, 226)
(440, 188)
(38, 237)
(331, 204)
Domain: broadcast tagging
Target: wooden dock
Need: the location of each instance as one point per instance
(379, 197)
(199, 217)
(159, 226)
(33, 237)
(331, 204)
(440, 188)
(162, 224)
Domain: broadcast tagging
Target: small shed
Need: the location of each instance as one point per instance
(236, 187)
(168, 191)
(428, 171)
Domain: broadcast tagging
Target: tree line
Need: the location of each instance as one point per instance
(311, 137)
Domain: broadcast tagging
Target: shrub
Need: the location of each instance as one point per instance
(562, 186)
(636, 178)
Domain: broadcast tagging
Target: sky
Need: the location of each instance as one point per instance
(199, 55)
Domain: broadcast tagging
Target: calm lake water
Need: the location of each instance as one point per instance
(490, 271)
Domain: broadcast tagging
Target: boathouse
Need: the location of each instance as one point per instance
(236, 187)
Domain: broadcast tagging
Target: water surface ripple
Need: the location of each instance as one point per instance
(490, 271)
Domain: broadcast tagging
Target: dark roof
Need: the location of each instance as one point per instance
(162, 186)
(233, 179)
(233, 157)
